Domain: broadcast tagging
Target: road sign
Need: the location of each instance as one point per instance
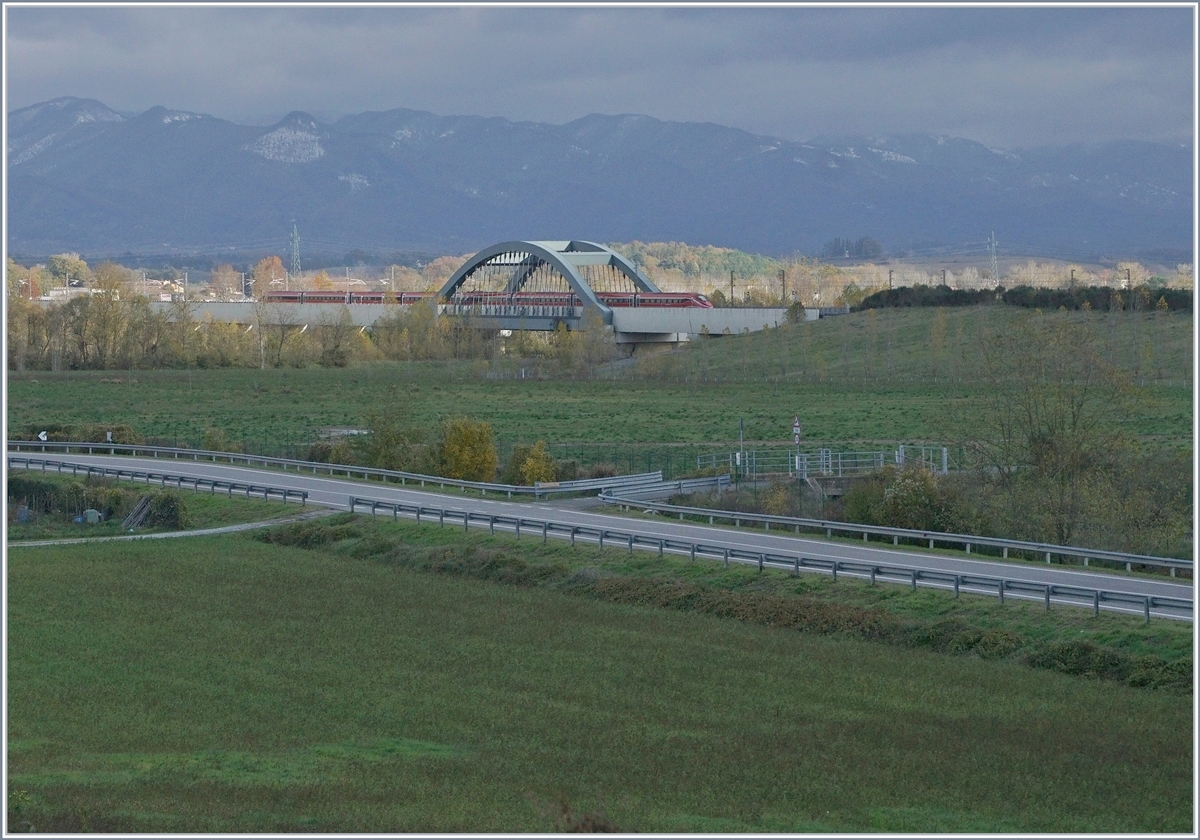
(42, 436)
(796, 430)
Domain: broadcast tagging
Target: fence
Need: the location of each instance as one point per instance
(824, 461)
(165, 479)
(967, 541)
(795, 563)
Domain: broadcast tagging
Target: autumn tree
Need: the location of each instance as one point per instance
(538, 465)
(107, 318)
(437, 272)
(269, 274)
(68, 268)
(225, 283)
(467, 450)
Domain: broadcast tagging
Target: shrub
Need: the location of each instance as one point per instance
(538, 465)
(167, 510)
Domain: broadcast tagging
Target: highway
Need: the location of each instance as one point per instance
(335, 493)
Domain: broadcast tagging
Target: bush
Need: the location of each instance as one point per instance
(167, 510)
(324, 452)
(538, 465)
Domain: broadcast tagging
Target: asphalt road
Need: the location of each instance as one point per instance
(335, 493)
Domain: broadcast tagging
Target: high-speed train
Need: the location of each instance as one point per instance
(612, 299)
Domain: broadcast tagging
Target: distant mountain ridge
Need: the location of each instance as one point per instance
(84, 177)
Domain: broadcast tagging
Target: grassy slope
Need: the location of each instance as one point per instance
(236, 686)
(863, 377)
(203, 511)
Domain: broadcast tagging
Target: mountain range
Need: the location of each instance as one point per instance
(83, 177)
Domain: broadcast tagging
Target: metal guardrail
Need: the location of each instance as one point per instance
(608, 482)
(537, 491)
(795, 563)
(683, 485)
(897, 534)
(165, 479)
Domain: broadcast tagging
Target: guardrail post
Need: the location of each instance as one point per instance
(760, 562)
(914, 580)
(631, 543)
(1047, 558)
(442, 517)
(418, 514)
(466, 520)
(1047, 597)
(545, 531)
(968, 548)
(660, 548)
(895, 539)
(864, 536)
(834, 570)
(518, 527)
(796, 566)
(1096, 603)
(931, 542)
(957, 579)
(1129, 567)
(727, 558)
(873, 570)
(1000, 589)
(1147, 609)
(491, 526)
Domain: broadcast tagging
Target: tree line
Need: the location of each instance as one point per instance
(1143, 298)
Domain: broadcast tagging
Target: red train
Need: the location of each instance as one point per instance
(612, 299)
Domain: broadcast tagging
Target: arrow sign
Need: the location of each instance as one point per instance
(42, 436)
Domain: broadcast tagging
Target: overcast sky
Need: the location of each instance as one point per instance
(1008, 77)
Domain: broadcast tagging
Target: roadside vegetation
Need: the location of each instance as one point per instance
(365, 676)
(44, 506)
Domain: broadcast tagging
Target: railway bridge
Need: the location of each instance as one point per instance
(539, 285)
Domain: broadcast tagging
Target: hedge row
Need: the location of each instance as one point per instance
(1097, 298)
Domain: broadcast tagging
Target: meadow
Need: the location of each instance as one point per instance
(366, 683)
(863, 380)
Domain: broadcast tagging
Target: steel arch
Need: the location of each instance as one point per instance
(564, 256)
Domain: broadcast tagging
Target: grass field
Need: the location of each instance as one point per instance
(853, 380)
(234, 685)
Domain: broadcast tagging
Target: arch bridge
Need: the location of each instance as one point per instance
(537, 285)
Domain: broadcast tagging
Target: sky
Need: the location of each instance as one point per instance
(1009, 77)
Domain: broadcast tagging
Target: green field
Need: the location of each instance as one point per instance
(234, 685)
(866, 378)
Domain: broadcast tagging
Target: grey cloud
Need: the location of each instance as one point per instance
(1007, 76)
